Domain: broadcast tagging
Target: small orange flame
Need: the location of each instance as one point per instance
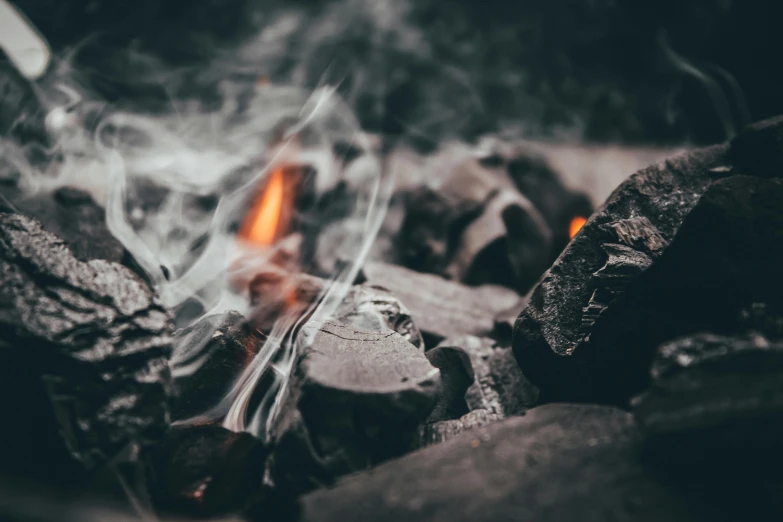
(261, 223)
(576, 225)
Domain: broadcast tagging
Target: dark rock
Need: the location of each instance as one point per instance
(72, 215)
(499, 387)
(456, 375)
(558, 462)
(442, 431)
(718, 395)
(207, 471)
(442, 308)
(84, 350)
(208, 357)
(355, 398)
(758, 149)
(554, 339)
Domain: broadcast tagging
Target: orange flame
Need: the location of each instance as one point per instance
(262, 221)
(576, 225)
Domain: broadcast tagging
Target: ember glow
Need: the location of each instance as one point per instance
(263, 221)
(576, 225)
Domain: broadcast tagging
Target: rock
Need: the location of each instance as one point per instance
(499, 387)
(758, 149)
(74, 216)
(84, 351)
(558, 462)
(554, 336)
(448, 429)
(718, 395)
(208, 357)
(442, 308)
(456, 375)
(207, 471)
(355, 398)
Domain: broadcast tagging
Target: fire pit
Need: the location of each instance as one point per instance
(233, 289)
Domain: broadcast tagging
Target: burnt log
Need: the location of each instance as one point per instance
(558, 462)
(84, 349)
(713, 395)
(208, 357)
(207, 471)
(500, 387)
(553, 338)
(355, 398)
(442, 308)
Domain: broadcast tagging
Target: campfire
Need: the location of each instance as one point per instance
(232, 292)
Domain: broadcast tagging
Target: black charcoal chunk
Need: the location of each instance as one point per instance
(554, 336)
(208, 357)
(456, 375)
(716, 395)
(499, 387)
(758, 149)
(207, 471)
(84, 349)
(442, 308)
(73, 215)
(558, 462)
(355, 398)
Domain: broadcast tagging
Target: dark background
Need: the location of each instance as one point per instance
(594, 70)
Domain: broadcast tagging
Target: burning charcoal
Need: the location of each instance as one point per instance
(758, 149)
(74, 216)
(499, 387)
(442, 431)
(456, 375)
(355, 399)
(553, 339)
(558, 462)
(208, 357)
(84, 357)
(442, 308)
(437, 213)
(712, 393)
(508, 244)
(540, 184)
(207, 471)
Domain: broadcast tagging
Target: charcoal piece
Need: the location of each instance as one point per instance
(355, 398)
(456, 375)
(719, 395)
(758, 149)
(206, 471)
(508, 244)
(499, 386)
(442, 431)
(84, 351)
(208, 357)
(558, 462)
(74, 216)
(554, 335)
(442, 308)
(438, 212)
(367, 306)
(542, 185)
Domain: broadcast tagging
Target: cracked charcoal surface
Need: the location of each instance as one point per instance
(620, 241)
(442, 431)
(84, 351)
(355, 399)
(558, 462)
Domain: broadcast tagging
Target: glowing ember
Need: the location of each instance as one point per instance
(262, 221)
(576, 224)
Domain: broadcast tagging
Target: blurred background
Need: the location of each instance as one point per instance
(661, 72)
